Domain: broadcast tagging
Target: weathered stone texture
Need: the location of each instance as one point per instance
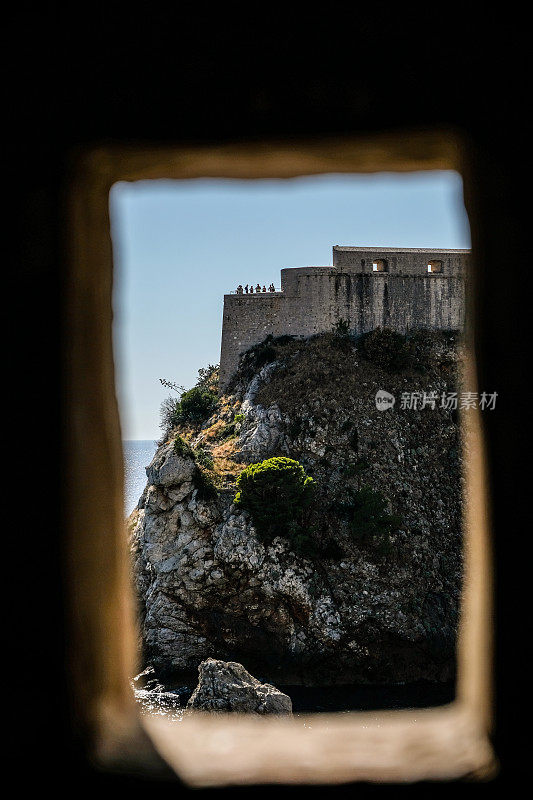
(313, 299)
(226, 686)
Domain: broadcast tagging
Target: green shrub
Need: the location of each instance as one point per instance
(208, 378)
(205, 484)
(370, 522)
(196, 405)
(202, 479)
(182, 448)
(227, 432)
(276, 492)
(203, 458)
(230, 430)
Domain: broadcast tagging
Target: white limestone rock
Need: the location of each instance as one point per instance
(168, 468)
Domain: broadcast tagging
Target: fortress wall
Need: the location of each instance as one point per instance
(292, 279)
(247, 319)
(308, 309)
(404, 302)
(318, 300)
(411, 261)
(314, 299)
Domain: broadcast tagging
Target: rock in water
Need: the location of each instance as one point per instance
(226, 686)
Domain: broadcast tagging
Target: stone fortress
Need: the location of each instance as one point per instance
(368, 287)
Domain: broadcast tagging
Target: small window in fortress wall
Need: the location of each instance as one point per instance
(434, 266)
(380, 266)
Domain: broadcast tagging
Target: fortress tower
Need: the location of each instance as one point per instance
(370, 287)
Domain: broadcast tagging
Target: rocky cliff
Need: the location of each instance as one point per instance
(344, 608)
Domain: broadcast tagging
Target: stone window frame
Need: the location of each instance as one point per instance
(435, 262)
(380, 261)
(444, 743)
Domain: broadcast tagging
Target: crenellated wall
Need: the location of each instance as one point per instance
(313, 299)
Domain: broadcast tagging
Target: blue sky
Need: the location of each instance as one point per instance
(180, 245)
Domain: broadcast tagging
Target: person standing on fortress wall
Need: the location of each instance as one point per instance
(251, 289)
(239, 289)
(264, 289)
(246, 288)
(258, 288)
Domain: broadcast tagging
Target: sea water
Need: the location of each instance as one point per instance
(137, 455)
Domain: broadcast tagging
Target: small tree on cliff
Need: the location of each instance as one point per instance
(208, 378)
(196, 405)
(276, 492)
(193, 406)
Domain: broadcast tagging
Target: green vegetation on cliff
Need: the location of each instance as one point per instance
(276, 492)
(328, 426)
(193, 406)
(204, 478)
